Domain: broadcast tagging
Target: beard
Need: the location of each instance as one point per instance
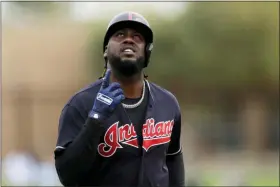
(125, 68)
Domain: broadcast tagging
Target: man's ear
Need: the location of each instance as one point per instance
(105, 52)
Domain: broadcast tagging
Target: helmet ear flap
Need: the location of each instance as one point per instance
(148, 52)
(149, 47)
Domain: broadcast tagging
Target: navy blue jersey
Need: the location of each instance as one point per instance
(120, 160)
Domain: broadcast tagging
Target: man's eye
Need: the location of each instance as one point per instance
(119, 34)
(137, 37)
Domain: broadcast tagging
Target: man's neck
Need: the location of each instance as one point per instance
(132, 86)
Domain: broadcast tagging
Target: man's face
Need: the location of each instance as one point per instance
(126, 52)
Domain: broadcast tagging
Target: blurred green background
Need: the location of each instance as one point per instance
(220, 59)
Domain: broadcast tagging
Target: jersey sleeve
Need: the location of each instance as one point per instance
(70, 124)
(175, 146)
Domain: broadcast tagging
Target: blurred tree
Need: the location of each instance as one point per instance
(220, 44)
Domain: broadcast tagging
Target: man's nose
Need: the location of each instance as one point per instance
(128, 40)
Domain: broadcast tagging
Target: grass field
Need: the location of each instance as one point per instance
(254, 179)
(268, 179)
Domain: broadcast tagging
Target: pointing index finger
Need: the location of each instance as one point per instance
(106, 79)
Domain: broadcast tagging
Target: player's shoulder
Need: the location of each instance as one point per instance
(85, 95)
(163, 95)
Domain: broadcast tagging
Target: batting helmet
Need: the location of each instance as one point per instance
(135, 21)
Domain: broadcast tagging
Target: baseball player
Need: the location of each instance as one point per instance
(122, 130)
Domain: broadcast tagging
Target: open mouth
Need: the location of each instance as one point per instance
(128, 51)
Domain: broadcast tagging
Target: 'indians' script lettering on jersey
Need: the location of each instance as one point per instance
(153, 134)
